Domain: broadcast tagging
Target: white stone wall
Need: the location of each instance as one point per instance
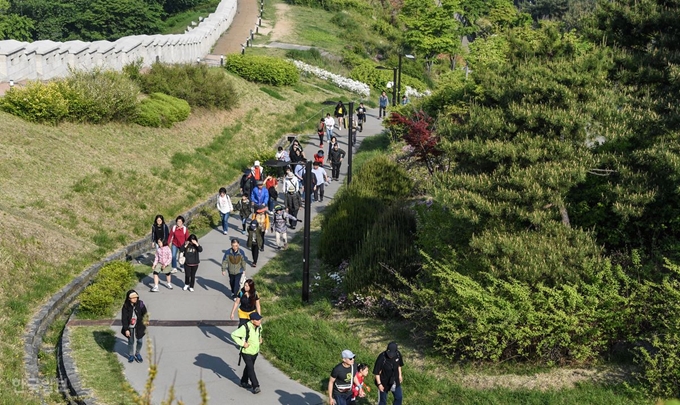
(43, 60)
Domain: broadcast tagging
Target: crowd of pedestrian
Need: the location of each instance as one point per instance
(268, 203)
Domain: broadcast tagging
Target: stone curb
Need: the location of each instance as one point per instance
(43, 318)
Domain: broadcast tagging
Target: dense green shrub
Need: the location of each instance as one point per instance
(199, 85)
(100, 298)
(329, 5)
(367, 73)
(100, 96)
(37, 102)
(378, 183)
(263, 69)
(389, 244)
(161, 110)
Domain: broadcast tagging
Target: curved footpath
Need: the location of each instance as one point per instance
(190, 353)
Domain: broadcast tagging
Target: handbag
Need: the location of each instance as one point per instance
(180, 258)
(242, 281)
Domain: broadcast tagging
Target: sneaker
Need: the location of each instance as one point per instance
(233, 296)
(243, 232)
(138, 358)
(131, 359)
(191, 289)
(174, 270)
(155, 288)
(225, 232)
(169, 286)
(256, 390)
(278, 248)
(246, 385)
(186, 287)
(254, 264)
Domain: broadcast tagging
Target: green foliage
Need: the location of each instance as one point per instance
(37, 102)
(100, 96)
(311, 56)
(374, 188)
(15, 26)
(272, 93)
(263, 69)
(199, 85)
(367, 73)
(108, 289)
(161, 110)
(329, 5)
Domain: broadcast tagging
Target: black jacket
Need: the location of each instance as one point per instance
(191, 252)
(161, 232)
(335, 155)
(293, 202)
(126, 316)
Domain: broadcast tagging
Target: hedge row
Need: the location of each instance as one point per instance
(263, 69)
(107, 292)
(161, 110)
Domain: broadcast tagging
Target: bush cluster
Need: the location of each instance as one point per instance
(368, 225)
(161, 110)
(199, 85)
(95, 97)
(377, 79)
(107, 291)
(329, 5)
(263, 69)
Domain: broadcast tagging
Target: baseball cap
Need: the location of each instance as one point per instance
(347, 354)
(254, 316)
(257, 163)
(391, 350)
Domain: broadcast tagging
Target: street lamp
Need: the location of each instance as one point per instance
(407, 56)
(394, 83)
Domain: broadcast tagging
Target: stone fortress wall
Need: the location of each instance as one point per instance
(44, 60)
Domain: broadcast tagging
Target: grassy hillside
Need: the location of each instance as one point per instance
(73, 193)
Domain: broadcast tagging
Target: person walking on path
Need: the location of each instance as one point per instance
(340, 114)
(336, 157)
(225, 207)
(261, 216)
(388, 375)
(191, 253)
(247, 182)
(178, 236)
(300, 173)
(247, 301)
(334, 140)
(293, 204)
(382, 103)
(245, 210)
(249, 337)
(134, 323)
(163, 259)
(159, 231)
(290, 181)
(260, 195)
(270, 184)
(361, 115)
(296, 152)
(255, 240)
(319, 157)
(329, 123)
(341, 381)
(321, 131)
(234, 263)
(359, 388)
(320, 178)
(280, 226)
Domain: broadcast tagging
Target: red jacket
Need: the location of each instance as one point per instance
(178, 235)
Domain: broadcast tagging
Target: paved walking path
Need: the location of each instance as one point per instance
(199, 351)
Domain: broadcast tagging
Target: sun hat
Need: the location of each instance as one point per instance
(133, 295)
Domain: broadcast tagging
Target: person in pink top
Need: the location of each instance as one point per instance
(163, 259)
(178, 235)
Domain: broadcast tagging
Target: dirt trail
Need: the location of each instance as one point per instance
(284, 23)
(245, 20)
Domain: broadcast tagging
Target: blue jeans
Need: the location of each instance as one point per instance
(132, 348)
(397, 396)
(175, 250)
(271, 204)
(329, 133)
(225, 221)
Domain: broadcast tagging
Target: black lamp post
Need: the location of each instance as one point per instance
(394, 83)
(408, 56)
(350, 142)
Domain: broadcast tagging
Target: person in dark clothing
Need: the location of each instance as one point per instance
(293, 203)
(336, 157)
(388, 376)
(255, 240)
(191, 250)
(340, 114)
(247, 301)
(361, 116)
(159, 230)
(247, 182)
(134, 324)
(245, 210)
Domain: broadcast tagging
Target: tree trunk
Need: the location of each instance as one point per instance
(565, 216)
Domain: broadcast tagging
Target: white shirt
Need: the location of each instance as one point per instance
(291, 182)
(320, 174)
(329, 122)
(224, 204)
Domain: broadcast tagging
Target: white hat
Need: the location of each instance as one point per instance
(257, 163)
